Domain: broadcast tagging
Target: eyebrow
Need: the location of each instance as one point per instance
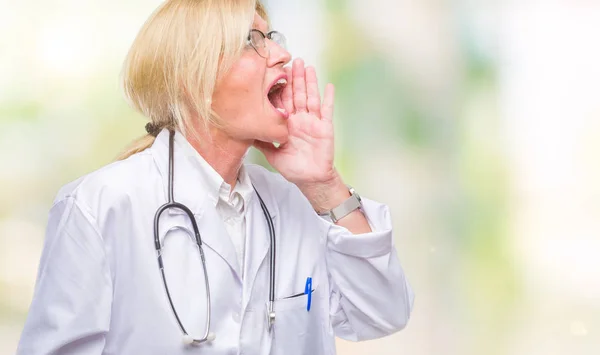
(256, 27)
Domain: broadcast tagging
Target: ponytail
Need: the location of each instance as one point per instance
(137, 146)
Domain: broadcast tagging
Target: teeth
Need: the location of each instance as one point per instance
(278, 85)
(282, 110)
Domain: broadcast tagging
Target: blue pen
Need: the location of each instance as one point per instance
(308, 291)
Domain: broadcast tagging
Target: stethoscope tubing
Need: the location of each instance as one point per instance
(172, 204)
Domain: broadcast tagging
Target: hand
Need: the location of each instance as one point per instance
(307, 157)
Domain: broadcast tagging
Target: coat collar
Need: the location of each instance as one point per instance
(194, 180)
(191, 188)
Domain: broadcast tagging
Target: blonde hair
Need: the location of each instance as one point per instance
(170, 72)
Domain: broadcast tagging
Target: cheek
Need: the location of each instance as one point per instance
(240, 89)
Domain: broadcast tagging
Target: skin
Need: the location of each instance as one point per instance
(304, 131)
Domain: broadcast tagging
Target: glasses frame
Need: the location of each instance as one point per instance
(265, 36)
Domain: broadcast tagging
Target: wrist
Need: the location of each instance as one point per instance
(325, 195)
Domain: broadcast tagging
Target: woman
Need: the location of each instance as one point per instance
(211, 78)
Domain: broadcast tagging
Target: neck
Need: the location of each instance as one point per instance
(221, 152)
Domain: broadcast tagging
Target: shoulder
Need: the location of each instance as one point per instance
(114, 182)
(274, 182)
(261, 175)
(285, 193)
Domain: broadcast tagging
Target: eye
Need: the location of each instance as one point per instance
(256, 39)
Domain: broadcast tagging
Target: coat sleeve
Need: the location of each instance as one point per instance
(70, 310)
(369, 294)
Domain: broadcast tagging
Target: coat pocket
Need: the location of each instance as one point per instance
(297, 330)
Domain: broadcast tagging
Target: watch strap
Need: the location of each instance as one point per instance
(344, 208)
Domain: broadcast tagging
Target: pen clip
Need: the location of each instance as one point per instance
(308, 292)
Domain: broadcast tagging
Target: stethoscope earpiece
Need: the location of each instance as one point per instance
(211, 336)
(188, 339)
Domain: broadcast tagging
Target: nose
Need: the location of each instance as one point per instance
(278, 55)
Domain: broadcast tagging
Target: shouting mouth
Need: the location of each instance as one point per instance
(274, 96)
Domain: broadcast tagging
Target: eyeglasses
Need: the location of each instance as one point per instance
(256, 39)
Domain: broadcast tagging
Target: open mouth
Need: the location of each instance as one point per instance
(274, 96)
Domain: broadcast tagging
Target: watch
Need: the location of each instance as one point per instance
(344, 208)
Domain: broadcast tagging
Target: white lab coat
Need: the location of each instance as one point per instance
(99, 290)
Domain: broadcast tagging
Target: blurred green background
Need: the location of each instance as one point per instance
(477, 122)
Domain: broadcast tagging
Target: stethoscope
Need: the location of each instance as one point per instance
(208, 335)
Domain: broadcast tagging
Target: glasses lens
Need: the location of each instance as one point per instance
(278, 38)
(257, 40)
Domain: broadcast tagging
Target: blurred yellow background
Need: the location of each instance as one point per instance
(477, 122)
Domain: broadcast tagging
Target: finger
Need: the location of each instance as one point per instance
(327, 108)
(299, 85)
(313, 100)
(287, 95)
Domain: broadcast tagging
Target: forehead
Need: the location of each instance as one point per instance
(260, 24)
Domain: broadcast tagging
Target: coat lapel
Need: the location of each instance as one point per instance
(215, 236)
(258, 240)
